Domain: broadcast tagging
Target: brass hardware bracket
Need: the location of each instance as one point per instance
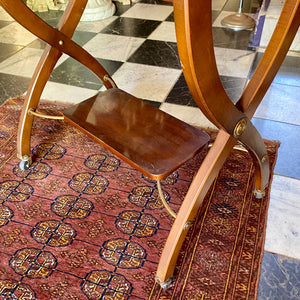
(37, 114)
(162, 198)
(240, 127)
(107, 78)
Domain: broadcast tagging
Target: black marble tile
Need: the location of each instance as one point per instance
(157, 53)
(7, 50)
(215, 14)
(51, 16)
(131, 27)
(279, 279)
(12, 86)
(228, 38)
(234, 86)
(74, 73)
(288, 73)
(170, 18)
(288, 161)
(160, 2)
(180, 94)
(121, 8)
(79, 37)
(153, 103)
(37, 44)
(4, 23)
(82, 37)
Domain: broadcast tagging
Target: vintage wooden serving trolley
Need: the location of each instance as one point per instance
(152, 141)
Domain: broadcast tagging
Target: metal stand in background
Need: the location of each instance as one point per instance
(238, 21)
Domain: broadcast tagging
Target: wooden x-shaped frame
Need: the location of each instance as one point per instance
(195, 45)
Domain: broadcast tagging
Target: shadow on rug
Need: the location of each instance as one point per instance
(82, 224)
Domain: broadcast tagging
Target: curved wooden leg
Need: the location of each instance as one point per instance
(66, 26)
(253, 141)
(36, 87)
(192, 201)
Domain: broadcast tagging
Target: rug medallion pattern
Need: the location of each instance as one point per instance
(82, 224)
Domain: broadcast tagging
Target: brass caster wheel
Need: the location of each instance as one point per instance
(259, 194)
(166, 284)
(25, 163)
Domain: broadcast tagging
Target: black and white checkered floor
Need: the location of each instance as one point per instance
(137, 46)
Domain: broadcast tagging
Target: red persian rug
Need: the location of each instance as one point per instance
(82, 224)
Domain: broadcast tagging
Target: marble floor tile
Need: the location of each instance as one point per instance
(16, 34)
(280, 104)
(181, 95)
(228, 38)
(157, 53)
(112, 47)
(269, 26)
(95, 26)
(288, 161)
(82, 37)
(149, 12)
(12, 86)
(248, 6)
(191, 115)
(4, 16)
(131, 27)
(22, 63)
(79, 37)
(288, 73)
(7, 50)
(164, 32)
(51, 16)
(170, 18)
(280, 278)
(234, 86)
(218, 4)
(121, 8)
(232, 62)
(283, 223)
(59, 92)
(4, 23)
(146, 82)
(72, 72)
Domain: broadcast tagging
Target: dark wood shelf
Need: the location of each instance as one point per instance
(149, 139)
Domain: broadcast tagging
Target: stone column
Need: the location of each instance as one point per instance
(98, 10)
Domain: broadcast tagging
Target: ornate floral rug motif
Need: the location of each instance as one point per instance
(82, 224)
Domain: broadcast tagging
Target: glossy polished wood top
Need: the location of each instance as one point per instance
(147, 138)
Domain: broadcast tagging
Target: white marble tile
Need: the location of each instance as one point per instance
(66, 93)
(188, 114)
(283, 225)
(4, 16)
(233, 62)
(268, 29)
(164, 32)
(217, 4)
(15, 34)
(95, 26)
(281, 103)
(146, 82)
(148, 12)
(22, 63)
(275, 7)
(114, 47)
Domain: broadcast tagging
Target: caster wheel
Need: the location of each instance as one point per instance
(166, 284)
(259, 194)
(24, 164)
